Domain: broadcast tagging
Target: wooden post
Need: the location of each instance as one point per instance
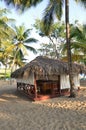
(59, 84)
(35, 85)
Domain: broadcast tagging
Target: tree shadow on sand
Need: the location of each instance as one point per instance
(11, 94)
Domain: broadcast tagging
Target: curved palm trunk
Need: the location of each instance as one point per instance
(72, 91)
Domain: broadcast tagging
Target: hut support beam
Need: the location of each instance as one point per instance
(35, 85)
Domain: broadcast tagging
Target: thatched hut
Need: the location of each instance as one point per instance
(44, 78)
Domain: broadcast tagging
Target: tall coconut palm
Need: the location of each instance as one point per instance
(21, 41)
(55, 8)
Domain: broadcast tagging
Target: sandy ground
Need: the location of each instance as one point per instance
(17, 112)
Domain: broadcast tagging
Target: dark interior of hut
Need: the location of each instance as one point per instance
(48, 87)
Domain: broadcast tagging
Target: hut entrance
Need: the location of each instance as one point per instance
(49, 87)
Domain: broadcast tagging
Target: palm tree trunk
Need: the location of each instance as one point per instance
(72, 91)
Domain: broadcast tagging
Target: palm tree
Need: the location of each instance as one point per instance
(78, 43)
(54, 8)
(21, 41)
(5, 37)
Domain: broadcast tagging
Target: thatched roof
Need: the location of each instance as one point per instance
(45, 66)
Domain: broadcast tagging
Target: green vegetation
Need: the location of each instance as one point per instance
(2, 73)
(14, 42)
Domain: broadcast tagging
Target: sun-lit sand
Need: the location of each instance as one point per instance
(17, 112)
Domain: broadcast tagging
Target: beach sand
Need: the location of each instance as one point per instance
(17, 112)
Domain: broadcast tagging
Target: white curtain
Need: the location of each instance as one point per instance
(64, 81)
(27, 80)
(76, 81)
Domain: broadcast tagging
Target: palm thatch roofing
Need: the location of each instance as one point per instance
(46, 66)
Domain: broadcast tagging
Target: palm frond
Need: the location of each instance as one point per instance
(31, 40)
(48, 18)
(31, 49)
(26, 33)
(4, 11)
(6, 19)
(78, 45)
(58, 8)
(75, 32)
(3, 23)
(82, 2)
(24, 4)
(54, 8)
(75, 57)
(23, 49)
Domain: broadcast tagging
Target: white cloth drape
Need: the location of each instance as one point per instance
(76, 81)
(64, 81)
(27, 80)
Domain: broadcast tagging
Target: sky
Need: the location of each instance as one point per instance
(77, 12)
